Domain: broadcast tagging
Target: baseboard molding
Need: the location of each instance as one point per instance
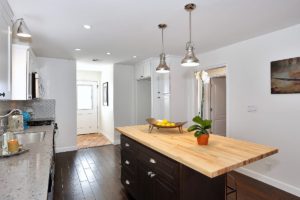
(268, 180)
(65, 149)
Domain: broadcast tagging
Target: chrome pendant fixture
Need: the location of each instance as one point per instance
(190, 60)
(22, 30)
(162, 67)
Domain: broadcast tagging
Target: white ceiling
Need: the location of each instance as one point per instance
(127, 28)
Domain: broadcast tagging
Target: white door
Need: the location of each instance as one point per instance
(87, 107)
(218, 105)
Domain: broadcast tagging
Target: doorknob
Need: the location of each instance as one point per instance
(2, 94)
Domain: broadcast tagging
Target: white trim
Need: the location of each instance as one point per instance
(268, 180)
(65, 149)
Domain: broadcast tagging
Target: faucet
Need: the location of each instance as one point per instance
(2, 126)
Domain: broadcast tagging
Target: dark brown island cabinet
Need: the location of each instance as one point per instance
(149, 175)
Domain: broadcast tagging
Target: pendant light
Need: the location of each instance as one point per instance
(22, 30)
(162, 67)
(190, 60)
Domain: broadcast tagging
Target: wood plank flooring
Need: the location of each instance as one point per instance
(91, 140)
(94, 173)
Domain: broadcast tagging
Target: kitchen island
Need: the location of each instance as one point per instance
(166, 164)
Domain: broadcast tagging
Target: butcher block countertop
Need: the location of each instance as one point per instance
(221, 155)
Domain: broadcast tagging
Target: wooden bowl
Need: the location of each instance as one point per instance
(153, 123)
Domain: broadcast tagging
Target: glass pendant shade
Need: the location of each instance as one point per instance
(162, 67)
(190, 60)
(23, 31)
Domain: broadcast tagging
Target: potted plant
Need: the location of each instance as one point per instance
(201, 129)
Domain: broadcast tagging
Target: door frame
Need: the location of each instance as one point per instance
(97, 102)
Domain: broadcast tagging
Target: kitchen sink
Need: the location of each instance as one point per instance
(29, 138)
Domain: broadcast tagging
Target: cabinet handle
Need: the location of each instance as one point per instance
(152, 161)
(127, 145)
(127, 162)
(127, 182)
(149, 173)
(152, 175)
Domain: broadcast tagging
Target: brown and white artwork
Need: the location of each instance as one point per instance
(285, 76)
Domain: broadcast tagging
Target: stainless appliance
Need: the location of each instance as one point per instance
(35, 85)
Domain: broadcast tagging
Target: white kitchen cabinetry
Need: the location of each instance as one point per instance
(23, 61)
(169, 91)
(5, 50)
(142, 70)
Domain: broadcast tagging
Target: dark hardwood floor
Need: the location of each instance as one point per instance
(94, 173)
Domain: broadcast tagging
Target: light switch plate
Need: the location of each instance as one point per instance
(252, 108)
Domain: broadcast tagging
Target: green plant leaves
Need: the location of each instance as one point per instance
(201, 126)
(194, 127)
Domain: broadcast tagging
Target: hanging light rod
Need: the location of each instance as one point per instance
(190, 60)
(22, 30)
(162, 67)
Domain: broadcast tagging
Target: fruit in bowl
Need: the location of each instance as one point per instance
(165, 123)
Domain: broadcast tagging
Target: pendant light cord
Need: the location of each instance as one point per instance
(190, 24)
(162, 40)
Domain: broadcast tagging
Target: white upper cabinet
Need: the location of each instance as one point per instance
(23, 60)
(5, 52)
(142, 70)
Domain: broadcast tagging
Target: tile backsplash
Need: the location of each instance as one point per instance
(42, 108)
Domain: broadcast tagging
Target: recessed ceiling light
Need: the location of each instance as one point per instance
(108, 53)
(134, 56)
(77, 49)
(86, 26)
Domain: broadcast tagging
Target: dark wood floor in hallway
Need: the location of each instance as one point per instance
(94, 173)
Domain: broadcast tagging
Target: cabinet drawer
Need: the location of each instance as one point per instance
(129, 182)
(128, 144)
(165, 167)
(128, 161)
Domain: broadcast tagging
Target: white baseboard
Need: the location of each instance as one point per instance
(65, 149)
(268, 180)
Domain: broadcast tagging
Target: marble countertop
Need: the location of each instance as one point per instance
(26, 176)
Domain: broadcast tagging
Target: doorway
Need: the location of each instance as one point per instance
(87, 107)
(218, 105)
(212, 97)
(88, 110)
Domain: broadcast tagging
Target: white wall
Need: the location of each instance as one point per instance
(124, 97)
(276, 122)
(59, 77)
(107, 112)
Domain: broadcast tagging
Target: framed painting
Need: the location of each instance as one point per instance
(285, 76)
(105, 94)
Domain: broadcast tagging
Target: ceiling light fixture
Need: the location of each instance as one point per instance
(77, 49)
(190, 60)
(86, 26)
(22, 30)
(108, 53)
(134, 56)
(162, 67)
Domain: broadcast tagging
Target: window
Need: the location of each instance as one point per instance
(84, 97)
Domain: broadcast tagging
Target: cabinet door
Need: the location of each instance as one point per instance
(146, 183)
(4, 59)
(162, 190)
(139, 71)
